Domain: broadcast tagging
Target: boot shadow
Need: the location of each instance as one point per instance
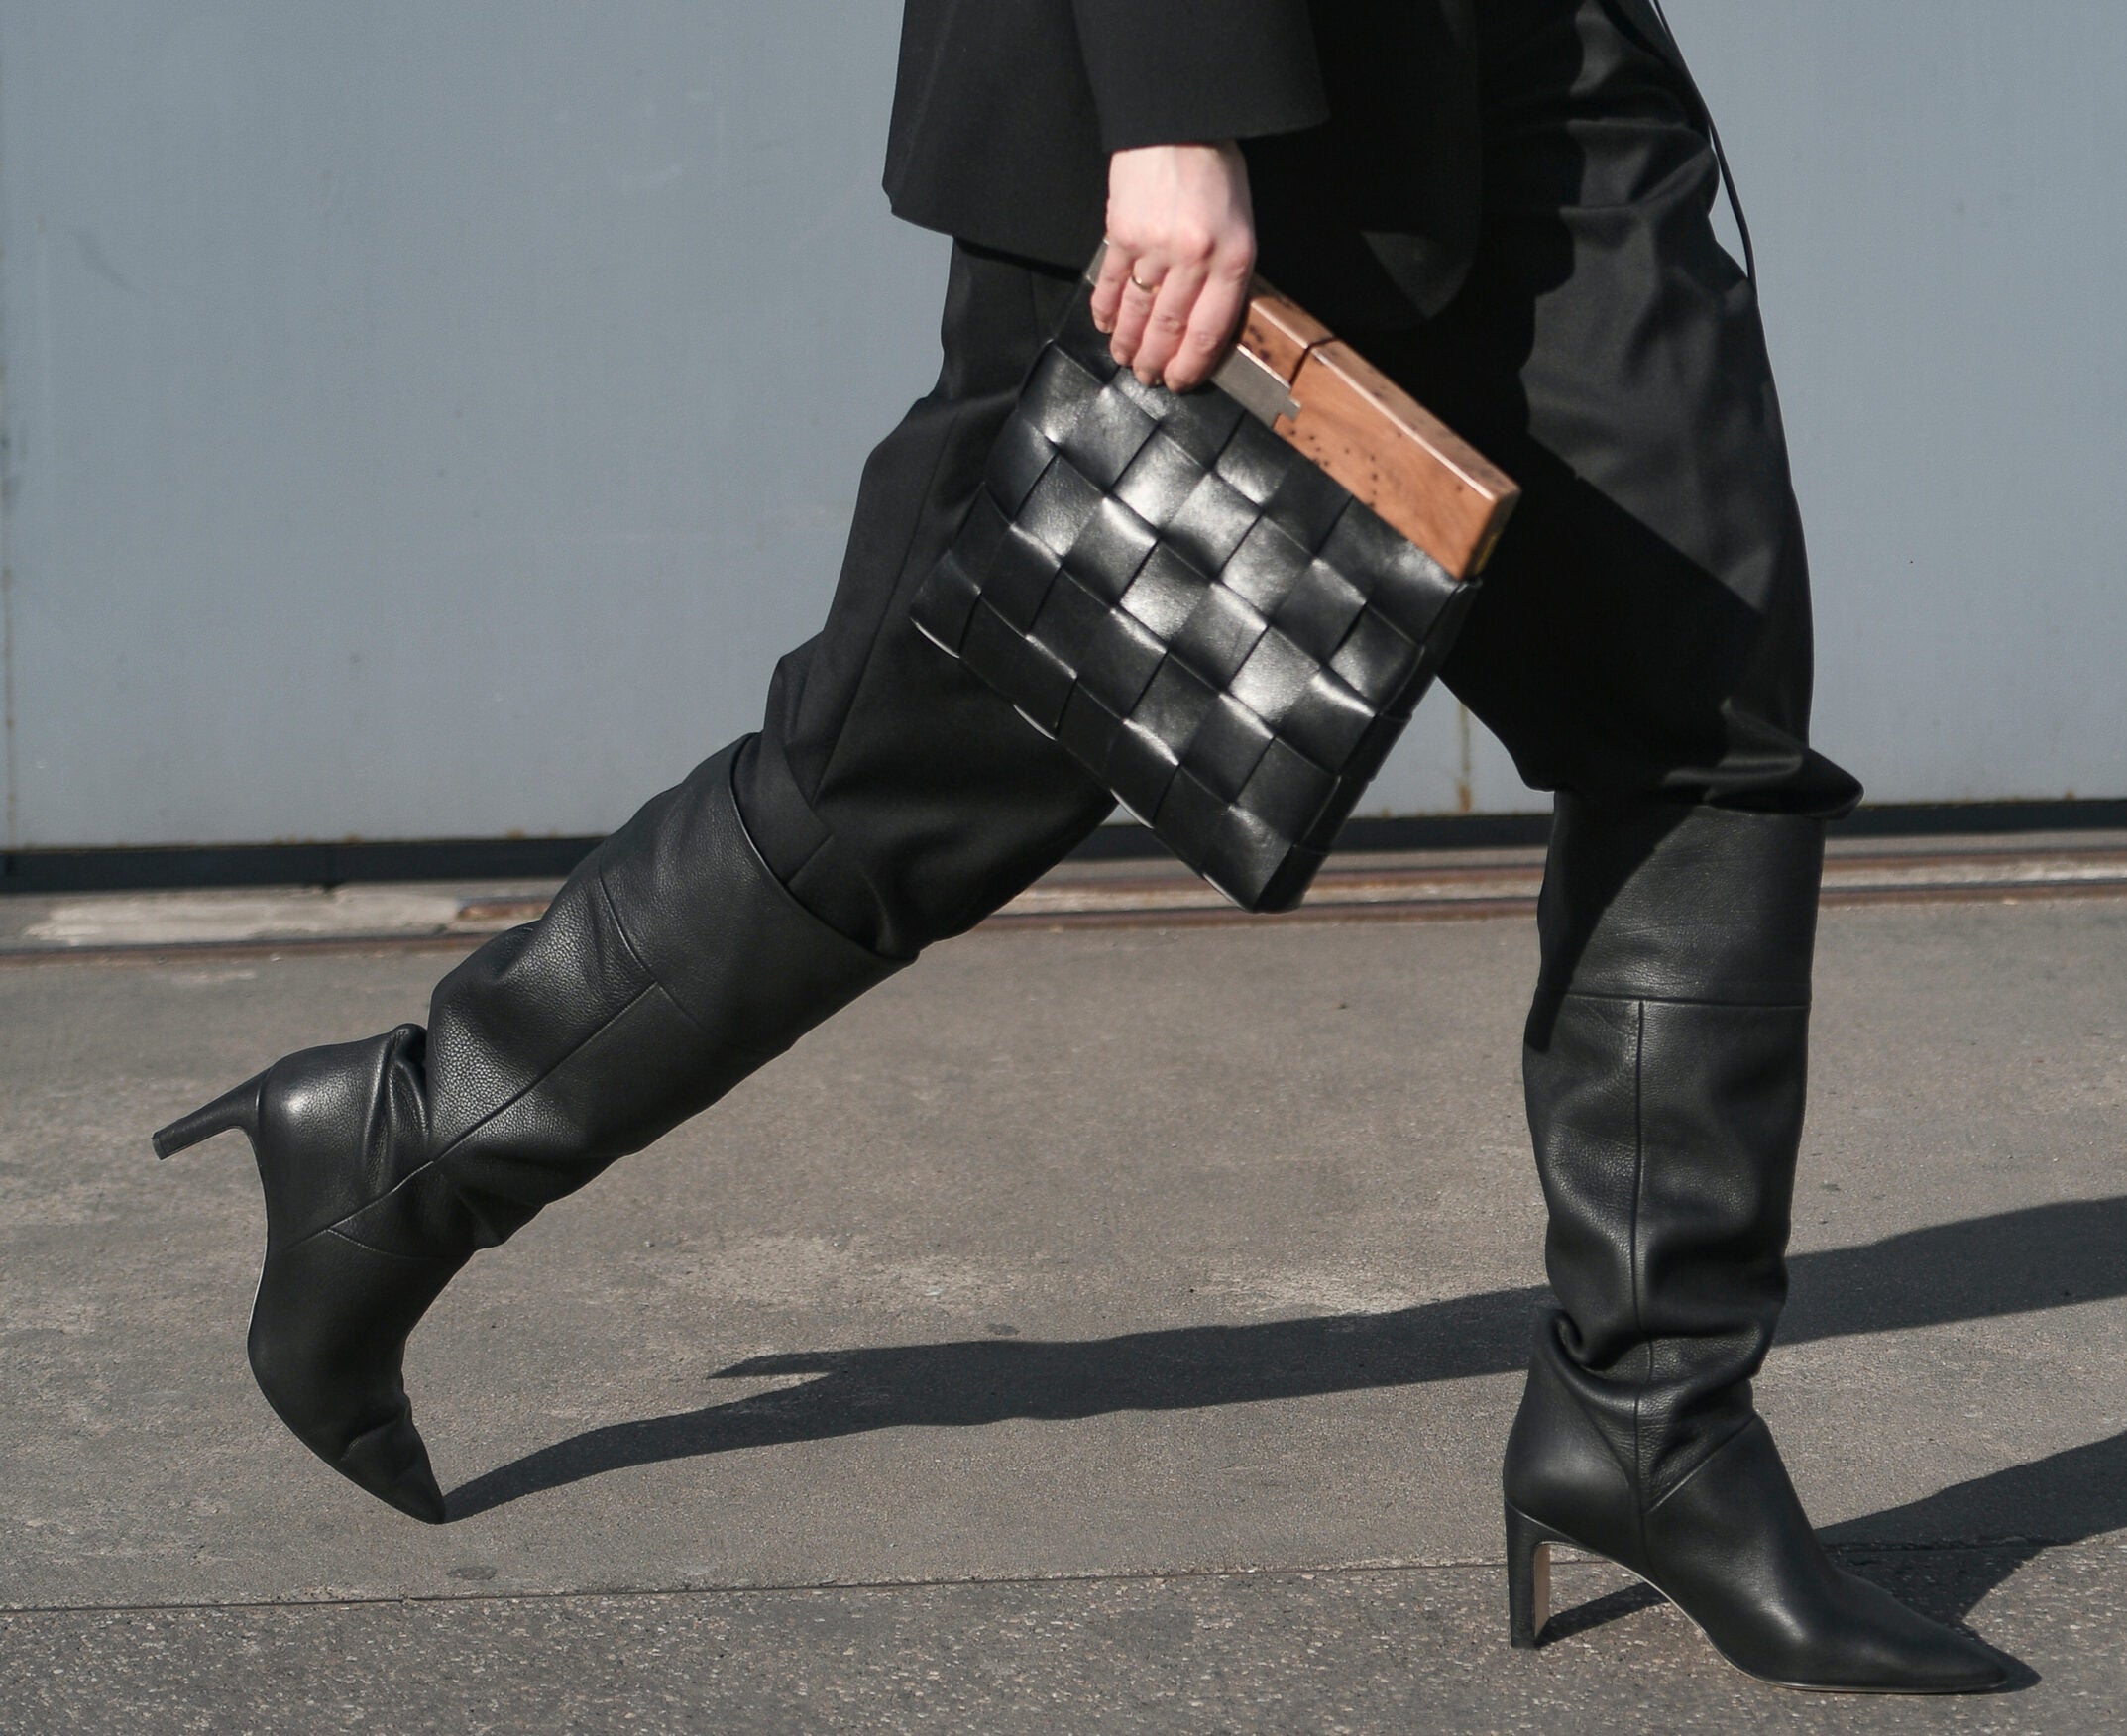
(972, 1382)
(1996, 1524)
(2008, 1263)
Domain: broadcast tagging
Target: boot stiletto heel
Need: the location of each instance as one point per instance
(1529, 1577)
(232, 1111)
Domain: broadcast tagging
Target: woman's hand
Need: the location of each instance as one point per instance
(1181, 244)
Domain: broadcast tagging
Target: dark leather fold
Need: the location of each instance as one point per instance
(1667, 1138)
(1680, 901)
(670, 967)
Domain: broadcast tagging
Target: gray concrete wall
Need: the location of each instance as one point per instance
(1935, 188)
(431, 417)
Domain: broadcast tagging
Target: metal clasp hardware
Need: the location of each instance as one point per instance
(1254, 387)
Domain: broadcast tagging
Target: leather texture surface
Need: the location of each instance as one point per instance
(360, 1239)
(1670, 900)
(670, 965)
(1192, 610)
(1665, 1066)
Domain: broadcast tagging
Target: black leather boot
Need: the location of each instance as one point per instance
(669, 966)
(1664, 1067)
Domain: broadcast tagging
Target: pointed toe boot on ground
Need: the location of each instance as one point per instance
(670, 967)
(1665, 1066)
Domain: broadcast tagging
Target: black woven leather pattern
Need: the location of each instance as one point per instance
(1200, 615)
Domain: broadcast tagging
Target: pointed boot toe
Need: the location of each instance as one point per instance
(1967, 1665)
(670, 965)
(1666, 1063)
(392, 1462)
(327, 1347)
(362, 1235)
(1733, 1549)
(1895, 1650)
(1859, 1639)
(1867, 1642)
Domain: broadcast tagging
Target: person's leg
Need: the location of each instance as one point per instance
(1642, 646)
(892, 792)
(888, 802)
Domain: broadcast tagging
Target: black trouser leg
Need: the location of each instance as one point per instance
(1644, 627)
(894, 794)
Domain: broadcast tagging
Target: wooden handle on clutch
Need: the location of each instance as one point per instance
(1378, 441)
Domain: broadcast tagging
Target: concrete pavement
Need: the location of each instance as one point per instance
(1106, 1328)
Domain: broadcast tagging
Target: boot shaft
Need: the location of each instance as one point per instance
(670, 967)
(1662, 900)
(1665, 1066)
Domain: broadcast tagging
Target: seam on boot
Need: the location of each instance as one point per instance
(1726, 1441)
(760, 863)
(340, 1235)
(545, 1073)
(635, 952)
(652, 985)
(1646, 1345)
(337, 1225)
(1640, 1000)
(1594, 1428)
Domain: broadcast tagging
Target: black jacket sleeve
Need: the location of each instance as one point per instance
(1180, 71)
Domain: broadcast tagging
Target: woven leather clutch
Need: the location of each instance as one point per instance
(1225, 603)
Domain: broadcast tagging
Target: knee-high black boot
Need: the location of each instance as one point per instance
(669, 966)
(1665, 1068)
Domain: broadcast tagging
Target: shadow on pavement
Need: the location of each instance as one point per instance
(2013, 1263)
